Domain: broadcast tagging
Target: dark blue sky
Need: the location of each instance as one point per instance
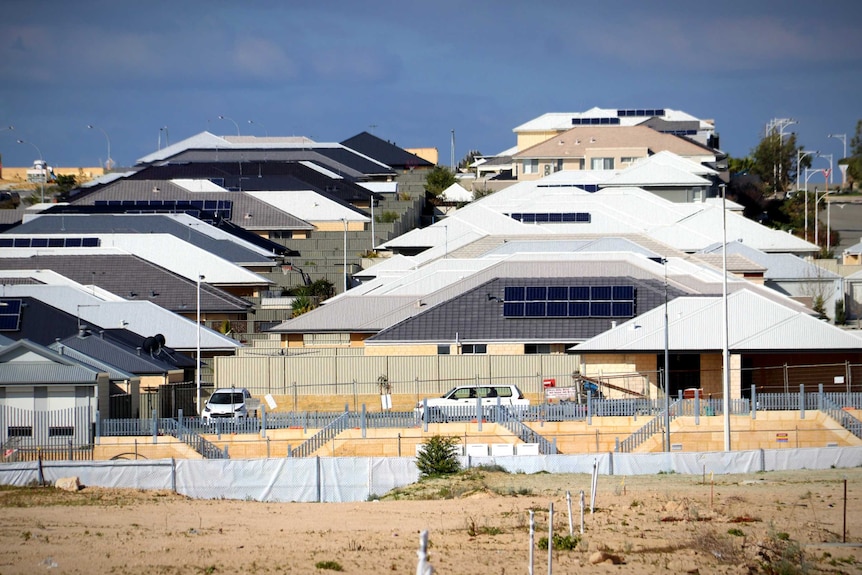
(413, 70)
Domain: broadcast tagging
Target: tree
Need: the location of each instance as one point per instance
(775, 161)
(840, 314)
(854, 162)
(739, 165)
(471, 157)
(438, 457)
(438, 179)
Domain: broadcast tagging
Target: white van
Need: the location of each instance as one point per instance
(465, 396)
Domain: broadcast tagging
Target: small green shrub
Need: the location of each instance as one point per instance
(329, 565)
(561, 542)
(735, 532)
(438, 457)
(386, 217)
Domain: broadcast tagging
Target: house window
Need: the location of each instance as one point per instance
(443, 349)
(602, 164)
(537, 348)
(20, 431)
(66, 431)
(474, 348)
(531, 166)
(627, 160)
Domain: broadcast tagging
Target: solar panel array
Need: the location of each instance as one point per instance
(49, 242)
(10, 314)
(569, 301)
(640, 112)
(595, 121)
(209, 210)
(551, 217)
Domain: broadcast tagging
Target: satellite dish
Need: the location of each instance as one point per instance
(149, 344)
(160, 338)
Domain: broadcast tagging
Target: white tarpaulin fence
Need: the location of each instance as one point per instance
(346, 479)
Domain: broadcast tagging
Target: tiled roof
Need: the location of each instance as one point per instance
(384, 152)
(576, 142)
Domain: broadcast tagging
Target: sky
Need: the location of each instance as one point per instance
(410, 72)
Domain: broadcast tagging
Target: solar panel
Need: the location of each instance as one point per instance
(557, 309)
(39, 242)
(513, 294)
(21, 243)
(534, 309)
(600, 293)
(579, 309)
(73, 242)
(56, 242)
(623, 292)
(6, 242)
(623, 309)
(536, 293)
(600, 309)
(579, 293)
(10, 314)
(90, 242)
(558, 293)
(513, 309)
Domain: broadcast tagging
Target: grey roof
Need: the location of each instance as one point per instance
(25, 362)
(477, 315)
(125, 275)
(114, 373)
(262, 215)
(117, 355)
(184, 227)
(778, 266)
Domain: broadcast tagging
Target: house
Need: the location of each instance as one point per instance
(47, 398)
(603, 148)
(386, 152)
(763, 334)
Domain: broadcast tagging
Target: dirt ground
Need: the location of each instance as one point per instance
(479, 523)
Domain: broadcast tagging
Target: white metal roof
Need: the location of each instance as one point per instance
(563, 120)
(310, 206)
(694, 324)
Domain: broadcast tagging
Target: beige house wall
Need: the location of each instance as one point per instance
(338, 226)
(529, 139)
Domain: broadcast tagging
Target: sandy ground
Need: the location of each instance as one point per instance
(641, 524)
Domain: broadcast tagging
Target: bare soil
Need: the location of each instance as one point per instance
(478, 523)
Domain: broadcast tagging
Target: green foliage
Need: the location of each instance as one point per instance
(469, 159)
(854, 162)
(329, 565)
(386, 217)
(736, 532)
(840, 313)
(302, 304)
(740, 165)
(561, 542)
(774, 160)
(438, 457)
(481, 193)
(438, 179)
(819, 306)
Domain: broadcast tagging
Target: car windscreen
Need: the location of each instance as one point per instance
(226, 398)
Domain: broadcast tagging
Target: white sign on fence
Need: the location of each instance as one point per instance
(561, 392)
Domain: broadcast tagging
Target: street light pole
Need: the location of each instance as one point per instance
(265, 131)
(198, 345)
(234, 123)
(843, 138)
(167, 139)
(666, 366)
(808, 174)
(109, 163)
(43, 166)
(725, 355)
(800, 155)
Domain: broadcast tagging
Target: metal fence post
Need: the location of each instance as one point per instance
(425, 415)
(589, 407)
(263, 424)
(820, 397)
(155, 426)
(98, 427)
(753, 402)
(362, 421)
(801, 401)
(173, 475)
(697, 407)
(479, 413)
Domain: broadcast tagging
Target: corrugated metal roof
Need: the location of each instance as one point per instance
(310, 206)
(694, 324)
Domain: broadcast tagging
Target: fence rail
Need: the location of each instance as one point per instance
(320, 438)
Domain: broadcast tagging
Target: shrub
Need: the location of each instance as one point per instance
(438, 457)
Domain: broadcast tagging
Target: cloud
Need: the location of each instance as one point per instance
(262, 58)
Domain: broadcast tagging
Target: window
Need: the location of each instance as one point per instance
(531, 166)
(20, 431)
(537, 348)
(443, 349)
(602, 164)
(61, 431)
(627, 160)
(474, 348)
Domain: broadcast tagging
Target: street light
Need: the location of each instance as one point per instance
(817, 218)
(808, 174)
(167, 140)
(42, 165)
(234, 123)
(265, 131)
(800, 155)
(198, 346)
(666, 366)
(725, 355)
(109, 163)
(779, 124)
(843, 138)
